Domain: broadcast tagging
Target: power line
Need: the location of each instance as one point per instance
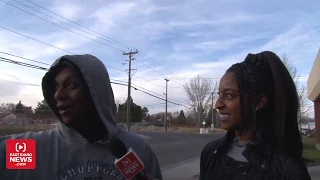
(153, 104)
(136, 86)
(200, 78)
(49, 64)
(152, 68)
(156, 64)
(62, 26)
(35, 39)
(65, 51)
(147, 90)
(156, 70)
(154, 84)
(22, 64)
(113, 41)
(46, 69)
(159, 85)
(115, 68)
(108, 38)
(24, 58)
(58, 47)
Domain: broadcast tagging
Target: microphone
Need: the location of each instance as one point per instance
(127, 161)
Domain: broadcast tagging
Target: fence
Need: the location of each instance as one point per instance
(174, 128)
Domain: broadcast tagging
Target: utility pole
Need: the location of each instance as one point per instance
(212, 111)
(130, 54)
(166, 117)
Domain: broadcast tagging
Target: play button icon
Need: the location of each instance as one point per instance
(21, 147)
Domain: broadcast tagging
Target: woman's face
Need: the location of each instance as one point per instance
(228, 102)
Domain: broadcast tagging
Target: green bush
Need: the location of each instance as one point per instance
(312, 134)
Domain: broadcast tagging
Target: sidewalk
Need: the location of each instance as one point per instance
(189, 170)
(314, 172)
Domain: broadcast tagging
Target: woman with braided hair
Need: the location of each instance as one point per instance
(258, 105)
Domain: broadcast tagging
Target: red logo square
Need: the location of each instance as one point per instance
(21, 154)
(129, 165)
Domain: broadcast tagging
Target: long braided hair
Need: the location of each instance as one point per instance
(279, 128)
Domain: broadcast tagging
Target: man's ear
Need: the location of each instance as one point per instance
(262, 100)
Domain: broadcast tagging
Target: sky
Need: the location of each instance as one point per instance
(176, 40)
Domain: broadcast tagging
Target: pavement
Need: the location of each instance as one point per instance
(179, 153)
(314, 172)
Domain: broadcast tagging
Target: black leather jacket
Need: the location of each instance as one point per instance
(265, 163)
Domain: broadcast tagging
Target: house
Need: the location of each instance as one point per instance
(22, 117)
(313, 90)
(4, 117)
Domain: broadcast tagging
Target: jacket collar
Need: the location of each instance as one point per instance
(257, 153)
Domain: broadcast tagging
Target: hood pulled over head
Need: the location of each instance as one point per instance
(95, 76)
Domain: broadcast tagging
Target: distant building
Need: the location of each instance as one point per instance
(4, 117)
(313, 86)
(22, 117)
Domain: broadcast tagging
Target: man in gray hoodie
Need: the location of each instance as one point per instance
(78, 91)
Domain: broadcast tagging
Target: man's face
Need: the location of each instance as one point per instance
(228, 102)
(69, 96)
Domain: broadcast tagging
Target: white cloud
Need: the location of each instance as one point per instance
(115, 11)
(67, 9)
(194, 34)
(229, 43)
(235, 19)
(290, 40)
(188, 38)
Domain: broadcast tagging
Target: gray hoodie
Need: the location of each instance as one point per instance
(63, 154)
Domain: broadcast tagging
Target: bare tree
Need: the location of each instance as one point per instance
(7, 107)
(199, 91)
(291, 68)
(305, 106)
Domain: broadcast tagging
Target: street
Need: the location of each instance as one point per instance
(178, 153)
(173, 149)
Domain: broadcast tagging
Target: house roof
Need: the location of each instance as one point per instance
(2, 115)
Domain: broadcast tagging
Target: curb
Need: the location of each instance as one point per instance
(185, 132)
(312, 164)
(168, 167)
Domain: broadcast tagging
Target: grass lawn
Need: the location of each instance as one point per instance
(309, 144)
(15, 129)
(309, 149)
